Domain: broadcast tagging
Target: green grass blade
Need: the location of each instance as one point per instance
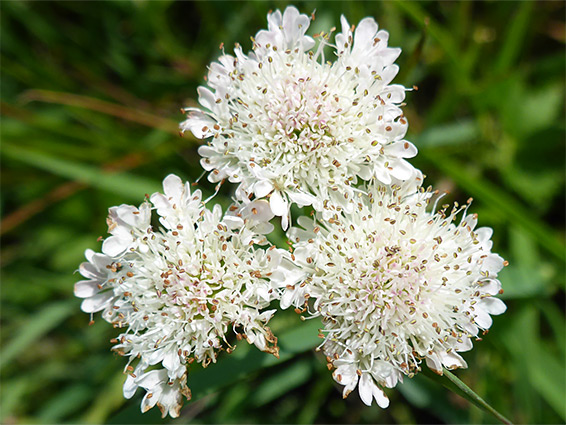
(127, 185)
(35, 327)
(514, 38)
(507, 207)
(451, 134)
(439, 33)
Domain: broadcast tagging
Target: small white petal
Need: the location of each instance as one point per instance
(262, 188)
(86, 288)
(278, 204)
(365, 32)
(173, 186)
(366, 388)
(453, 360)
(114, 246)
(483, 319)
(301, 199)
(380, 397)
(97, 302)
(493, 305)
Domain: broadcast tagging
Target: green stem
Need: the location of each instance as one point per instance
(457, 386)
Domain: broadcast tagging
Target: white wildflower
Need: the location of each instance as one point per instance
(287, 124)
(394, 285)
(180, 291)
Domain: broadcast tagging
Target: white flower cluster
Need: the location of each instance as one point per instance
(286, 124)
(394, 282)
(180, 291)
(395, 285)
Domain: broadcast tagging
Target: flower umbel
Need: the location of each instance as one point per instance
(284, 122)
(395, 285)
(180, 290)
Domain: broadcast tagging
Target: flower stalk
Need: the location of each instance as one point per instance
(457, 386)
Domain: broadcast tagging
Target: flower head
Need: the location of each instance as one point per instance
(284, 122)
(179, 291)
(395, 285)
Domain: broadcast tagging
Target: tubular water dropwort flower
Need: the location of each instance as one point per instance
(178, 291)
(395, 285)
(284, 122)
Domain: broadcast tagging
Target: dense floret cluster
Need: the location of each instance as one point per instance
(395, 282)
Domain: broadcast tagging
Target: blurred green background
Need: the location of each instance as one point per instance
(91, 93)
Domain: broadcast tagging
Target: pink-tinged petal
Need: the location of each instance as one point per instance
(86, 288)
(493, 305)
(97, 302)
(279, 206)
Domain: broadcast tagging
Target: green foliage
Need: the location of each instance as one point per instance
(90, 99)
